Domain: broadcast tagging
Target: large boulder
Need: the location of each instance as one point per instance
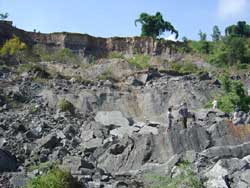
(226, 173)
(226, 133)
(8, 162)
(134, 151)
(111, 118)
(219, 152)
(50, 141)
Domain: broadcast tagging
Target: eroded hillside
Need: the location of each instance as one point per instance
(102, 115)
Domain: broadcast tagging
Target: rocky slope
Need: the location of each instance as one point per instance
(113, 133)
(117, 132)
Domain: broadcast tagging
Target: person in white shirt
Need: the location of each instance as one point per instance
(235, 115)
(215, 104)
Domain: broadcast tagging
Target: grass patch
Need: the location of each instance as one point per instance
(66, 106)
(186, 178)
(209, 104)
(54, 178)
(59, 55)
(140, 61)
(106, 75)
(34, 68)
(185, 67)
(115, 55)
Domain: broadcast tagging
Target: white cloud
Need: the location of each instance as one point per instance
(171, 37)
(233, 8)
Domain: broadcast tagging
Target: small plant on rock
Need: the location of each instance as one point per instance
(106, 75)
(66, 106)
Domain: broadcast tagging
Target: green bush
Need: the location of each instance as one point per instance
(66, 106)
(234, 94)
(55, 178)
(140, 61)
(15, 49)
(243, 66)
(12, 47)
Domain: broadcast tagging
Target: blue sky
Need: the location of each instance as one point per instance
(106, 18)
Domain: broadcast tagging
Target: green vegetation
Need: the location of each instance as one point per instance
(12, 103)
(140, 61)
(44, 167)
(230, 51)
(203, 36)
(241, 29)
(33, 108)
(234, 94)
(154, 25)
(216, 36)
(233, 49)
(30, 67)
(186, 178)
(185, 67)
(60, 55)
(13, 48)
(54, 178)
(66, 106)
(115, 55)
(107, 74)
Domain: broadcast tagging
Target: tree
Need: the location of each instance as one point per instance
(185, 39)
(216, 36)
(154, 25)
(234, 94)
(241, 29)
(203, 36)
(236, 50)
(3, 16)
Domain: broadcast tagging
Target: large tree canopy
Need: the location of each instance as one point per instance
(240, 30)
(154, 26)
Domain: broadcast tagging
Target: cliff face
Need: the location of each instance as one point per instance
(86, 44)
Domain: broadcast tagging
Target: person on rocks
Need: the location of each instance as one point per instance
(215, 104)
(184, 114)
(236, 112)
(236, 119)
(170, 118)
